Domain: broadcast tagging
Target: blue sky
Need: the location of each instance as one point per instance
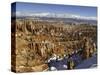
(51, 8)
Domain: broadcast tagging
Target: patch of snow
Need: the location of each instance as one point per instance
(65, 66)
(53, 68)
(60, 58)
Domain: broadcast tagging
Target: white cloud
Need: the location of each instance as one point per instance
(85, 17)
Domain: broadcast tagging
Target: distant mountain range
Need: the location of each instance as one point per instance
(57, 16)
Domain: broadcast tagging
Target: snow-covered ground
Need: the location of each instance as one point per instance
(89, 63)
(61, 63)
